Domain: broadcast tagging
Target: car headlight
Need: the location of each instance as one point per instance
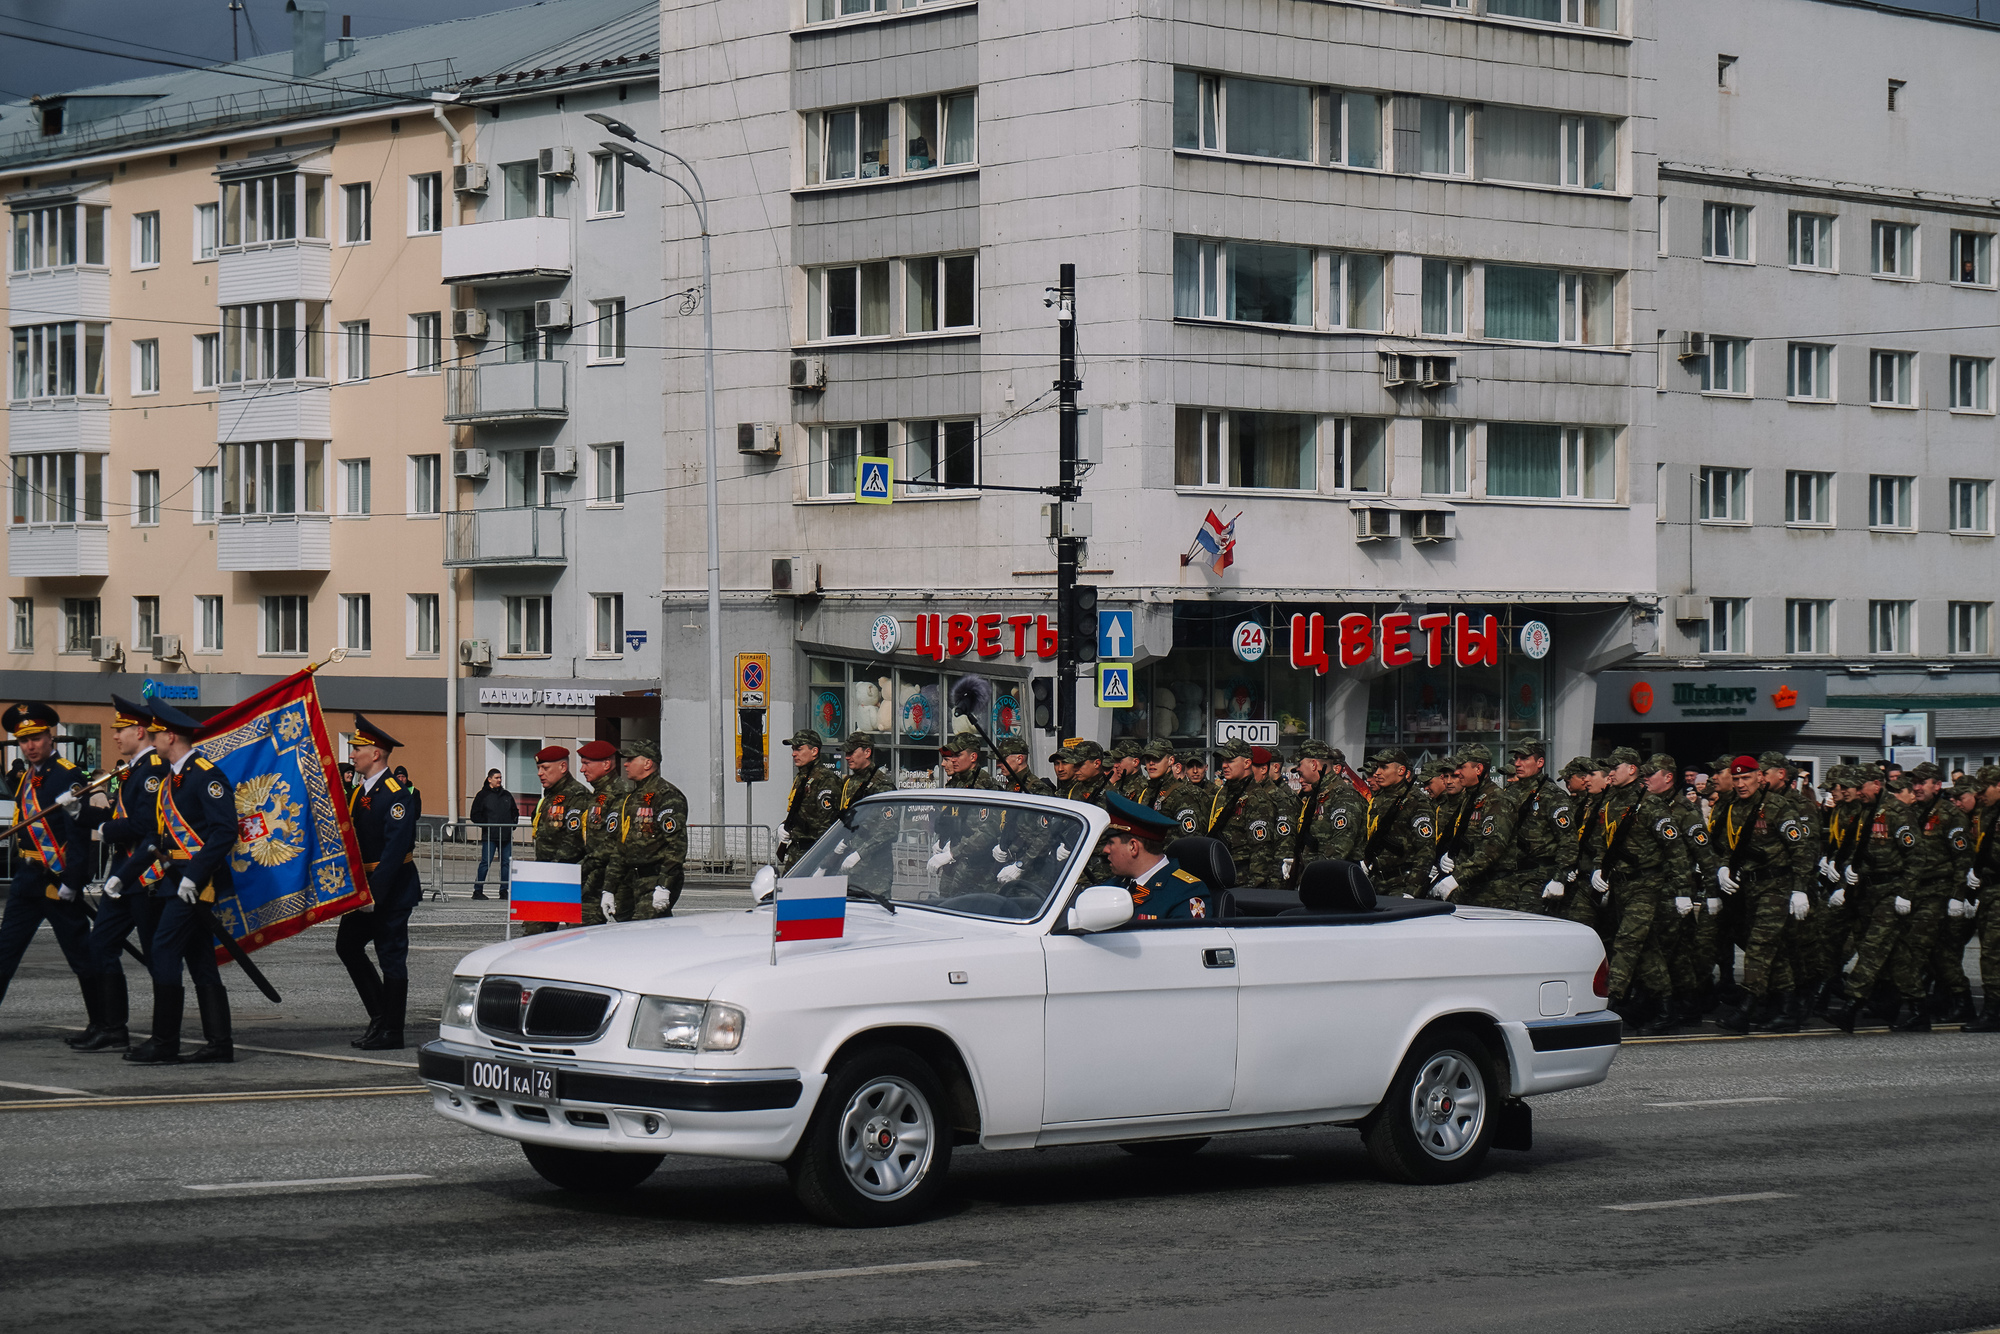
(666, 1024)
(461, 1002)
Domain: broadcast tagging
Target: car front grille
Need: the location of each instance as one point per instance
(559, 1012)
(500, 1006)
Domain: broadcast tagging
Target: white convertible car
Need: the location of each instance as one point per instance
(965, 1005)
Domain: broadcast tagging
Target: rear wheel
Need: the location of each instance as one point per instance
(878, 1147)
(1165, 1148)
(1435, 1125)
(589, 1172)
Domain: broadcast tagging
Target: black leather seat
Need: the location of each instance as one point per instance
(1207, 860)
(1329, 886)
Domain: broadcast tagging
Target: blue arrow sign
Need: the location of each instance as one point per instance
(1114, 635)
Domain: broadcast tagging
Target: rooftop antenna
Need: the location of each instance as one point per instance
(235, 8)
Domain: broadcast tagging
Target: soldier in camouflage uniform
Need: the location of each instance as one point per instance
(815, 794)
(1587, 780)
(1480, 867)
(652, 838)
(1986, 904)
(1637, 856)
(1330, 816)
(1936, 856)
(1167, 793)
(601, 903)
(1544, 832)
(1399, 843)
(1838, 937)
(870, 846)
(1128, 778)
(1087, 782)
(1691, 939)
(965, 835)
(1017, 773)
(558, 820)
(1194, 769)
(1874, 880)
(1768, 858)
(1236, 813)
(1951, 991)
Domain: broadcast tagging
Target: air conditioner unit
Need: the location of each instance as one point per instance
(104, 648)
(1690, 607)
(556, 162)
(557, 460)
(794, 576)
(1433, 526)
(468, 323)
(757, 438)
(475, 652)
(552, 314)
(1374, 525)
(469, 178)
(1693, 345)
(469, 463)
(808, 372)
(166, 647)
(1399, 369)
(1440, 372)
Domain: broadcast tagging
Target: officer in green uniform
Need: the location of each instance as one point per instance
(1691, 947)
(598, 761)
(869, 845)
(1937, 854)
(1399, 844)
(1986, 904)
(1637, 857)
(1235, 814)
(1134, 845)
(1768, 857)
(649, 865)
(1873, 879)
(1194, 768)
(1951, 991)
(1544, 831)
(558, 818)
(1166, 792)
(1481, 870)
(1128, 777)
(1087, 783)
(964, 835)
(1017, 770)
(815, 793)
(1329, 816)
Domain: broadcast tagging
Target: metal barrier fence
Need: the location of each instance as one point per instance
(449, 853)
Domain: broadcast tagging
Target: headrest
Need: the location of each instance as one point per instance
(1335, 886)
(1207, 859)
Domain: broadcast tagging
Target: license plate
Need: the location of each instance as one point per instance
(511, 1080)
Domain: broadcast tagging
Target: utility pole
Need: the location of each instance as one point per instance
(1067, 494)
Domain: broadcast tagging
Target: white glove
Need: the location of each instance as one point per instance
(1683, 905)
(1725, 880)
(1569, 876)
(660, 898)
(1553, 890)
(1443, 888)
(1367, 868)
(1444, 863)
(1902, 906)
(1837, 898)
(188, 891)
(1851, 876)
(1828, 869)
(999, 854)
(940, 858)
(113, 887)
(65, 893)
(609, 902)
(1599, 883)
(1715, 907)
(1972, 880)
(97, 834)
(66, 801)
(1062, 852)
(1801, 905)
(1955, 908)
(851, 860)
(1009, 873)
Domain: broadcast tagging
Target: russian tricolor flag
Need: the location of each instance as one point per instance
(546, 892)
(811, 908)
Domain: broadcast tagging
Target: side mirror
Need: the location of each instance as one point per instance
(764, 884)
(1100, 908)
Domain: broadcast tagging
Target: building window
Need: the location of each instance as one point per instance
(1971, 379)
(284, 207)
(1890, 375)
(1808, 625)
(608, 475)
(939, 132)
(823, 11)
(1444, 298)
(607, 617)
(1273, 451)
(608, 330)
(1725, 232)
(1547, 148)
(1447, 459)
(1809, 372)
(208, 616)
(1579, 13)
(1889, 503)
(1724, 495)
(523, 341)
(357, 213)
(1360, 456)
(48, 238)
(941, 292)
(831, 452)
(426, 484)
(528, 627)
(524, 482)
(423, 625)
(848, 301)
(426, 343)
(1726, 368)
(58, 361)
(1809, 499)
(145, 240)
(1441, 137)
(1239, 280)
(354, 350)
(851, 144)
(1893, 253)
(1351, 129)
(146, 498)
(1548, 305)
(940, 456)
(357, 631)
(520, 189)
(273, 340)
(1971, 627)
(21, 638)
(1358, 295)
(205, 487)
(1531, 461)
(207, 360)
(206, 230)
(1971, 506)
(607, 174)
(80, 623)
(426, 204)
(1972, 259)
(1889, 627)
(285, 625)
(146, 366)
(355, 481)
(1727, 628)
(1811, 241)
(274, 477)
(58, 488)
(145, 623)
(1245, 117)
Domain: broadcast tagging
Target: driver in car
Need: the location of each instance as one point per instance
(1133, 845)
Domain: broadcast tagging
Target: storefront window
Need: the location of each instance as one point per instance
(904, 708)
(1432, 711)
(1202, 682)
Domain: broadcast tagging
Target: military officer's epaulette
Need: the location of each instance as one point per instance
(202, 762)
(1183, 875)
(62, 763)
(392, 785)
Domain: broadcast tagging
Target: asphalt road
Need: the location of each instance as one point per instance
(134, 1198)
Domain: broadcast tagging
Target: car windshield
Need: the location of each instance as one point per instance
(985, 858)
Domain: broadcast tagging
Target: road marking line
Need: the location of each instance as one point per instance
(1716, 1102)
(1748, 1037)
(316, 1181)
(182, 1099)
(47, 1088)
(327, 1056)
(1705, 1199)
(858, 1271)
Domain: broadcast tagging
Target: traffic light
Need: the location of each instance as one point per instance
(750, 766)
(1079, 623)
(1045, 702)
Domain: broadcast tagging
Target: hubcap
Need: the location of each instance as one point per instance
(886, 1136)
(1448, 1105)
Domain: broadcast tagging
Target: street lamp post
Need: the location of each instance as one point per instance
(699, 198)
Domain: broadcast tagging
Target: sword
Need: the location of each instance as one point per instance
(206, 917)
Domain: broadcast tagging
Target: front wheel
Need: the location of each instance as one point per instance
(588, 1172)
(876, 1152)
(1434, 1126)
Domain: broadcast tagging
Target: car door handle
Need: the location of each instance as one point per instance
(1218, 958)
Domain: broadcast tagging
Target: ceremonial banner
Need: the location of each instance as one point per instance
(296, 861)
(546, 892)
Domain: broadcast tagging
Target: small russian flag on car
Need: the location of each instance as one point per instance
(812, 908)
(546, 892)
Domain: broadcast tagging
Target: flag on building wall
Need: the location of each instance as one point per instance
(1215, 544)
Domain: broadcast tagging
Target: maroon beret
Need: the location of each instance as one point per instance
(550, 754)
(597, 750)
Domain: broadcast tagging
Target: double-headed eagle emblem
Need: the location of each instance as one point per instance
(267, 823)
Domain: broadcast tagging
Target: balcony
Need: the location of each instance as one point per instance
(273, 410)
(527, 536)
(76, 292)
(517, 250)
(58, 425)
(512, 391)
(260, 543)
(57, 550)
(277, 271)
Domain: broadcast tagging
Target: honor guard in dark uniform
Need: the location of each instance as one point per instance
(119, 826)
(45, 802)
(558, 820)
(385, 811)
(194, 831)
(1134, 845)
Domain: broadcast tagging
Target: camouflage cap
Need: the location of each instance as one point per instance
(1473, 754)
(1578, 765)
(1600, 764)
(1531, 750)
(1986, 775)
(1624, 755)
(1085, 750)
(1391, 755)
(1127, 749)
(1925, 773)
(1155, 751)
(805, 736)
(1010, 745)
(961, 741)
(1900, 783)
(641, 749)
(1196, 759)
(1435, 770)
(1315, 750)
(1233, 750)
(1773, 759)
(1657, 763)
(858, 741)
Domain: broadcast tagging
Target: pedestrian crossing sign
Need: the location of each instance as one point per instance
(1114, 685)
(876, 480)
